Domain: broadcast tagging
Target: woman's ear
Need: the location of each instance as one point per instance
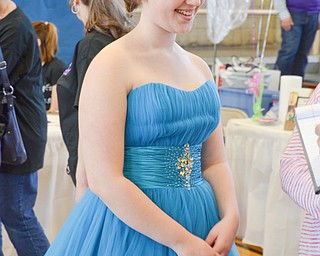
(39, 42)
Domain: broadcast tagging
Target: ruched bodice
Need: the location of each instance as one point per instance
(162, 115)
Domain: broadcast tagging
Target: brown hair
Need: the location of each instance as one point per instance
(48, 35)
(107, 17)
(131, 5)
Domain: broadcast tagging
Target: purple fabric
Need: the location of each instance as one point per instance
(311, 6)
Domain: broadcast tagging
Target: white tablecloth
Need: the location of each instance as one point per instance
(269, 218)
(55, 190)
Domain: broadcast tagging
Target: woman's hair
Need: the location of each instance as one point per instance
(131, 5)
(108, 17)
(48, 35)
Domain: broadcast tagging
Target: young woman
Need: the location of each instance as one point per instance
(152, 148)
(104, 22)
(52, 67)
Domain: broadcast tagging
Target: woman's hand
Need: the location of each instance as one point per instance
(317, 131)
(195, 246)
(221, 236)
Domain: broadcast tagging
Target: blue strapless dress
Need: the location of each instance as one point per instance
(165, 129)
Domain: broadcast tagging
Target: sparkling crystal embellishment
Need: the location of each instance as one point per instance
(184, 165)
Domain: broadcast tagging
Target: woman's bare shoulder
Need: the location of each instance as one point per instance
(198, 62)
(112, 53)
(195, 58)
(110, 66)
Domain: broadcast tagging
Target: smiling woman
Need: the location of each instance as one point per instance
(153, 165)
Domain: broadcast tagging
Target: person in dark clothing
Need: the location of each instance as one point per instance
(52, 67)
(299, 23)
(19, 183)
(103, 24)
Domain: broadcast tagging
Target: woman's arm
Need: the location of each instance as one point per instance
(295, 177)
(102, 116)
(281, 7)
(81, 176)
(217, 172)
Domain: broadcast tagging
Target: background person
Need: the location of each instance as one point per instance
(299, 24)
(103, 22)
(19, 184)
(297, 183)
(152, 148)
(52, 67)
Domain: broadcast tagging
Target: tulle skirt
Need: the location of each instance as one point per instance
(93, 230)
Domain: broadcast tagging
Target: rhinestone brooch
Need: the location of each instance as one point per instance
(184, 165)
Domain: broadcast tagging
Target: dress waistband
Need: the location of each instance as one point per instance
(155, 167)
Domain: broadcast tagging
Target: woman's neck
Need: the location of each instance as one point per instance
(157, 38)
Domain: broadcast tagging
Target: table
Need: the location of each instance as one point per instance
(268, 217)
(55, 190)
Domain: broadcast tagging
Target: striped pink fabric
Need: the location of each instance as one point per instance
(297, 183)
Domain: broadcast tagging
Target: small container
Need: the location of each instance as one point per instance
(240, 98)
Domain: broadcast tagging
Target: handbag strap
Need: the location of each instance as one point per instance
(7, 88)
(6, 91)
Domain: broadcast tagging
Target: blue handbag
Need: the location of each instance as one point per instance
(11, 147)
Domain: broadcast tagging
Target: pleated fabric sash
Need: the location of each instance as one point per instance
(157, 167)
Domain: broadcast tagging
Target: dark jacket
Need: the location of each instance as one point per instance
(69, 89)
(20, 49)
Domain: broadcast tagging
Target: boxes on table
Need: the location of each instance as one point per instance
(240, 98)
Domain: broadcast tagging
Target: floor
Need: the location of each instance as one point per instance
(248, 250)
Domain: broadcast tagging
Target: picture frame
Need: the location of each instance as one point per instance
(302, 101)
(298, 97)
